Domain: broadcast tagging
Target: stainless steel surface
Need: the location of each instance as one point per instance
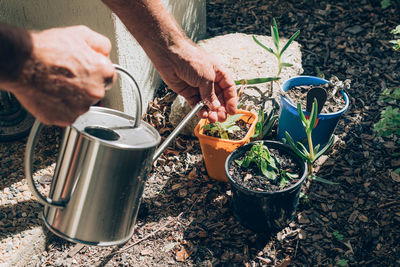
(177, 130)
(101, 170)
(138, 96)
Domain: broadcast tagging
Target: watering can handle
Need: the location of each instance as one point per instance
(34, 136)
(32, 141)
(138, 96)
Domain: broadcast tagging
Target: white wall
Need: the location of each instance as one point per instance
(42, 14)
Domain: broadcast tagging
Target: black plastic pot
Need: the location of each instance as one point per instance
(265, 211)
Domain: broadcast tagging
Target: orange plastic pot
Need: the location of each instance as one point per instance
(216, 150)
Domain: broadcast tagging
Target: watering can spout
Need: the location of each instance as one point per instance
(177, 130)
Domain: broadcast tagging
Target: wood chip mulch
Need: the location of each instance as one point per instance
(186, 219)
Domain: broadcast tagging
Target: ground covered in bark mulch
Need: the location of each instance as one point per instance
(186, 219)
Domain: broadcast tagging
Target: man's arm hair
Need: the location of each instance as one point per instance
(15, 49)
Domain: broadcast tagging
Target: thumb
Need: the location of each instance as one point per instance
(207, 94)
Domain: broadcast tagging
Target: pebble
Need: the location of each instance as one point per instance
(9, 247)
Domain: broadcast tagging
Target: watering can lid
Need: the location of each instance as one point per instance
(115, 128)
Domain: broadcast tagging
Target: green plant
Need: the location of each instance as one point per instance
(396, 43)
(278, 52)
(267, 164)
(224, 128)
(385, 4)
(342, 263)
(265, 123)
(313, 153)
(338, 235)
(389, 122)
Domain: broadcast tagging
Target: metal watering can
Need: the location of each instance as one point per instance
(104, 161)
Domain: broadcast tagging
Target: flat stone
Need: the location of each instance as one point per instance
(245, 60)
(33, 243)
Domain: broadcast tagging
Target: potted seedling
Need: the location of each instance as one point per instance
(267, 119)
(265, 179)
(219, 139)
(312, 153)
(298, 88)
(295, 90)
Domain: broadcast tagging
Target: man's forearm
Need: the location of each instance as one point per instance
(150, 23)
(15, 49)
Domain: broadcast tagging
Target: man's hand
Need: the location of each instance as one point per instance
(187, 69)
(66, 73)
(196, 75)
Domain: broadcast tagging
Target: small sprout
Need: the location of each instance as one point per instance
(338, 235)
(385, 4)
(342, 263)
(265, 123)
(267, 164)
(224, 128)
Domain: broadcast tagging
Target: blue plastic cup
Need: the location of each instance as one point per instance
(290, 121)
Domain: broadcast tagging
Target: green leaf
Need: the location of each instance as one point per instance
(274, 23)
(302, 117)
(224, 135)
(322, 180)
(325, 148)
(338, 235)
(293, 146)
(316, 149)
(207, 126)
(292, 175)
(283, 182)
(260, 80)
(263, 46)
(342, 263)
(291, 39)
(271, 174)
(268, 126)
(385, 4)
(396, 30)
(263, 167)
(275, 38)
(283, 64)
(313, 115)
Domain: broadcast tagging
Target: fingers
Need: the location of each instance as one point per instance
(96, 41)
(207, 93)
(227, 85)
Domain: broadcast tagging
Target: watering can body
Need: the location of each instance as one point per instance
(104, 161)
(97, 186)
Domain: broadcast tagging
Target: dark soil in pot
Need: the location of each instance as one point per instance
(266, 211)
(253, 179)
(334, 102)
(236, 135)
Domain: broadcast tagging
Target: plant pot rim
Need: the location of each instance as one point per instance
(345, 95)
(216, 139)
(264, 193)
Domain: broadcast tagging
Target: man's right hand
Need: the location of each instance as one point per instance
(67, 72)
